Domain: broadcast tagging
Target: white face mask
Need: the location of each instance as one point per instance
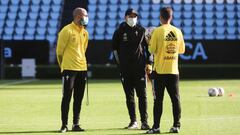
(83, 21)
(132, 21)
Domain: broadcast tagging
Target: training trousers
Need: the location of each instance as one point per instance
(171, 83)
(131, 82)
(73, 82)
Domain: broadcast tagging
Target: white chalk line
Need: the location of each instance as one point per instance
(4, 85)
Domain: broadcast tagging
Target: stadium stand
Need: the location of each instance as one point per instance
(198, 19)
(30, 19)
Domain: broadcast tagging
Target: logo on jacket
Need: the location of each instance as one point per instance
(171, 49)
(170, 37)
(125, 37)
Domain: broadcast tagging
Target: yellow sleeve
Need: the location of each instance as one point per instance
(153, 42)
(181, 49)
(63, 37)
(86, 42)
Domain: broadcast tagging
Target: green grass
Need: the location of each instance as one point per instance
(33, 108)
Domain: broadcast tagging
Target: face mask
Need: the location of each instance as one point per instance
(132, 21)
(83, 21)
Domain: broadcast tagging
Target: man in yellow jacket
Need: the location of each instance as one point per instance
(71, 47)
(166, 44)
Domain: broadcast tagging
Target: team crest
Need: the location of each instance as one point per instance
(125, 37)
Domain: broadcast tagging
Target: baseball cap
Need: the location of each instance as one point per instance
(131, 11)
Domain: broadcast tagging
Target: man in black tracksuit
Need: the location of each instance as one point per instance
(131, 54)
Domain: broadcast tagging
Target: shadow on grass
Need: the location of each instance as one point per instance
(30, 132)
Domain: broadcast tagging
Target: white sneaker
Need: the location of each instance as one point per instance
(132, 125)
(174, 130)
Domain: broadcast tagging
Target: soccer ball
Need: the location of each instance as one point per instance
(212, 92)
(220, 91)
(148, 33)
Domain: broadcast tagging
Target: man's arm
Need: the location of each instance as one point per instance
(63, 37)
(115, 46)
(181, 49)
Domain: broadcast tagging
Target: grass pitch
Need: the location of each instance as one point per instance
(32, 107)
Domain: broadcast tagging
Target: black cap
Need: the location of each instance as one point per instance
(131, 11)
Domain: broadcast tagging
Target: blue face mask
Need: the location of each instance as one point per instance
(83, 21)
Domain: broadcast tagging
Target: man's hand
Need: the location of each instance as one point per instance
(148, 69)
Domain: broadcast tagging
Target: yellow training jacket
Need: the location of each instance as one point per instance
(71, 47)
(166, 43)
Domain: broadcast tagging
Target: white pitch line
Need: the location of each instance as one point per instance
(16, 82)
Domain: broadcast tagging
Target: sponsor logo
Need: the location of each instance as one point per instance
(171, 48)
(170, 37)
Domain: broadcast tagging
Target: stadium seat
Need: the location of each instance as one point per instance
(54, 15)
(209, 36)
(155, 7)
(123, 7)
(198, 36)
(145, 7)
(34, 8)
(53, 23)
(56, 8)
(12, 15)
(113, 2)
(154, 22)
(113, 8)
(102, 8)
(198, 14)
(144, 22)
(21, 23)
(198, 30)
(1, 23)
(100, 30)
(46, 2)
(33, 15)
(25, 2)
(145, 1)
(10, 23)
(51, 39)
(209, 30)
(134, 6)
(4, 2)
(231, 30)
(231, 22)
(209, 22)
(22, 15)
(112, 15)
(2, 15)
(198, 7)
(208, 14)
(144, 14)
(41, 30)
(7, 37)
(52, 31)
(220, 23)
(238, 7)
(187, 7)
(36, 2)
(108, 36)
(231, 36)
(13, 8)
(230, 7)
(101, 23)
(124, 2)
(155, 14)
(31, 23)
(208, 7)
(220, 36)
(187, 30)
(59, 2)
(42, 23)
(187, 22)
(18, 37)
(43, 15)
(92, 8)
(3, 8)
(90, 30)
(220, 30)
(40, 37)
(112, 23)
(24, 8)
(135, 2)
(8, 30)
(19, 30)
(45, 8)
(230, 14)
(177, 22)
(187, 14)
(198, 22)
(219, 7)
(92, 15)
(110, 30)
(103, 2)
(220, 15)
(177, 15)
(101, 15)
(177, 7)
(30, 30)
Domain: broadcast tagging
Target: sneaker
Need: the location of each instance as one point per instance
(77, 128)
(174, 130)
(132, 125)
(145, 126)
(63, 129)
(153, 131)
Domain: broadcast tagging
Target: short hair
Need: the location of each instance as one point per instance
(166, 13)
